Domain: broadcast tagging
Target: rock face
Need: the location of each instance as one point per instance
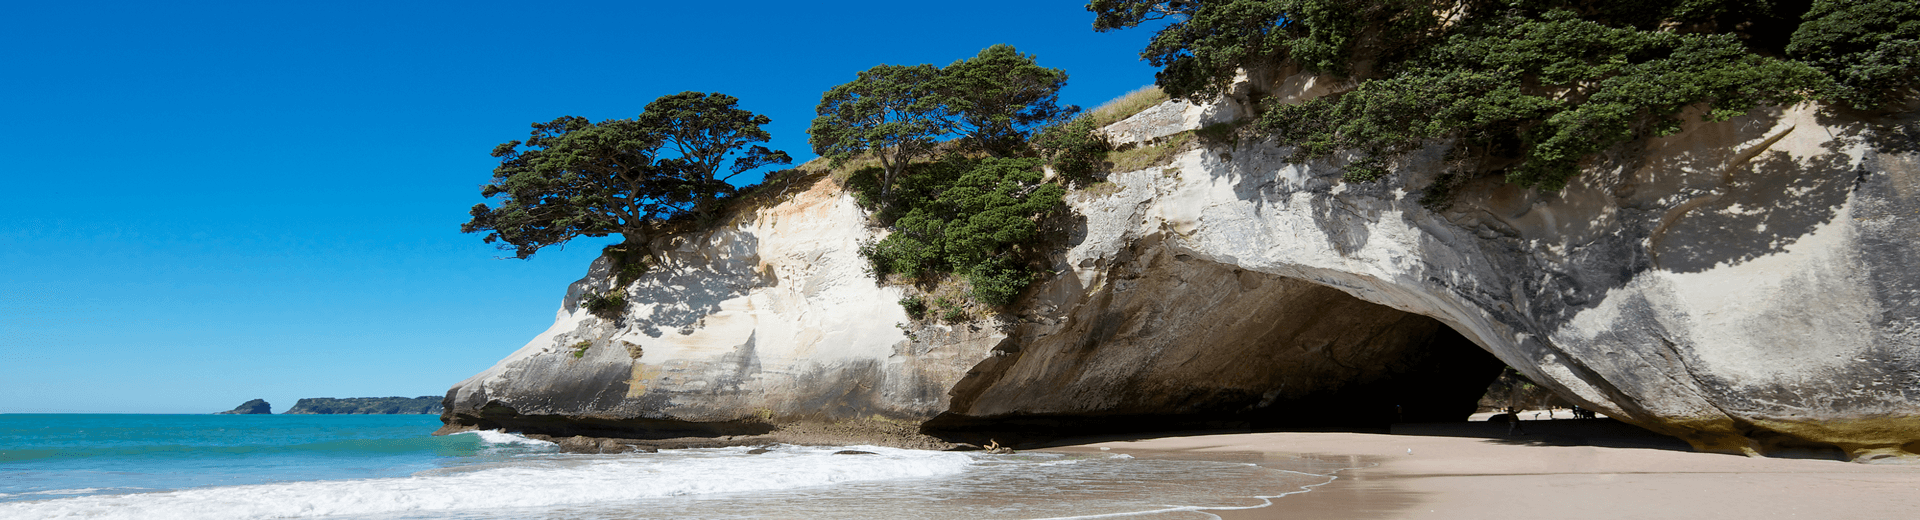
(1747, 286)
(766, 320)
(254, 407)
(425, 404)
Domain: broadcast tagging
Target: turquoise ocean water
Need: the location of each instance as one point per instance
(388, 467)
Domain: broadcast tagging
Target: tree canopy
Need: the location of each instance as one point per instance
(700, 131)
(993, 102)
(888, 111)
(573, 177)
(998, 98)
(1530, 87)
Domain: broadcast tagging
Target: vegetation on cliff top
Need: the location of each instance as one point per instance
(1530, 88)
(573, 177)
(426, 404)
(974, 209)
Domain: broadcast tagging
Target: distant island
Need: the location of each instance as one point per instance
(254, 407)
(426, 404)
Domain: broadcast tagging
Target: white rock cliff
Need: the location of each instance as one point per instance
(1747, 285)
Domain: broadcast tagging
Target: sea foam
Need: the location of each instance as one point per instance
(543, 481)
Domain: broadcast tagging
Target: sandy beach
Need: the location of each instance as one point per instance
(1565, 469)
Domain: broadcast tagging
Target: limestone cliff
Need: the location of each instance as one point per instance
(1745, 285)
(766, 320)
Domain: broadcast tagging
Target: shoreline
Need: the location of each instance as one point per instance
(1570, 469)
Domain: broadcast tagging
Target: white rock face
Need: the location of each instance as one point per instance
(770, 318)
(1747, 285)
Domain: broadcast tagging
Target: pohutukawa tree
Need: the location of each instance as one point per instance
(700, 131)
(1528, 88)
(573, 177)
(998, 98)
(888, 111)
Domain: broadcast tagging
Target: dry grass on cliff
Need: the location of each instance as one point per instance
(1126, 106)
(1146, 156)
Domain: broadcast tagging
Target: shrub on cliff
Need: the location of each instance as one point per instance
(961, 214)
(972, 217)
(1530, 88)
(573, 177)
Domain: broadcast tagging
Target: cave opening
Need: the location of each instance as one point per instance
(1262, 353)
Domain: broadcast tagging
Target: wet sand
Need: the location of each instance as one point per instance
(1598, 469)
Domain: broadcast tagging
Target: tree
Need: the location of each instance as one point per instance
(575, 178)
(1205, 45)
(1530, 88)
(1870, 47)
(703, 130)
(999, 97)
(887, 112)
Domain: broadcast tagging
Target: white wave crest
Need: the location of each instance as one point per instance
(545, 481)
(500, 437)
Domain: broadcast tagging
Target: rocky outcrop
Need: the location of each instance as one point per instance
(254, 407)
(1746, 285)
(768, 320)
(425, 404)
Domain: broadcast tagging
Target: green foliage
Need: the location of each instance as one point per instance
(915, 306)
(894, 114)
(888, 112)
(580, 349)
(1548, 89)
(1076, 150)
(573, 177)
(1532, 87)
(1206, 44)
(953, 312)
(607, 305)
(966, 216)
(1871, 49)
(702, 131)
(999, 97)
(426, 404)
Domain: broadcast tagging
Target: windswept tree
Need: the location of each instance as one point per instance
(573, 177)
(700, 131)
(998, 98)
(888, 112)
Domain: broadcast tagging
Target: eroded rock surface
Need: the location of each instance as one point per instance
(769, 320)
(1747, 285)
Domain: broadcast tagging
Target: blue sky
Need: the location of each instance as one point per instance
(210, 202)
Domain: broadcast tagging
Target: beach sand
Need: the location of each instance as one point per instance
(1566, 469)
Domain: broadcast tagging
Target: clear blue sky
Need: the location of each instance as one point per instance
(210, 202)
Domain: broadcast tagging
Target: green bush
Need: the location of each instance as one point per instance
(974, 217)
(1526, 88)
(1871, 49)
(915, 306)
(1076, 150)
(1596, 86)
(607, 305)
(954, 312)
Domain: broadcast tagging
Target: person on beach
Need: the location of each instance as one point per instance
(1513, 422)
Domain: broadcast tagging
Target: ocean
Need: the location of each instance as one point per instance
(72, 466)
